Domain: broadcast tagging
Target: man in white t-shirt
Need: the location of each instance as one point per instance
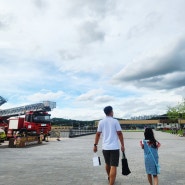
(112, 134)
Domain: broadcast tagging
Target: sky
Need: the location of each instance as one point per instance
(85, 55)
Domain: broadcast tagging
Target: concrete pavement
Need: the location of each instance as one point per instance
(69, 162)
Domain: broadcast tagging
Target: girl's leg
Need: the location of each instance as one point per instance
(155, 180)
(150, 179)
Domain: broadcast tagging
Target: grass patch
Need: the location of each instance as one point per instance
(179, 132)
(132, 130)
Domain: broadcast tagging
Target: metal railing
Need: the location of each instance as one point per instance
(81, 132)
(72, 132)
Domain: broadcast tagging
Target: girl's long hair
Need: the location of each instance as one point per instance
(149, 135)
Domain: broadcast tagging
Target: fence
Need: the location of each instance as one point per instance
(81, 132)
(72, 132)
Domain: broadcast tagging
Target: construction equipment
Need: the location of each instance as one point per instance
(35, 122)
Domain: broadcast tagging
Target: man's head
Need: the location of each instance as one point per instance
(108, 111)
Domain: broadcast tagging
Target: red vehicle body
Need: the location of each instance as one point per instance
(34, 123)
(36, 120)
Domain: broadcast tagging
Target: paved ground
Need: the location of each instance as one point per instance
(69, 162)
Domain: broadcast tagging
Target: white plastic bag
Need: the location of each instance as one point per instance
(96, 160)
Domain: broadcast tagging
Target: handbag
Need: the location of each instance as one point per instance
(157, 165)
(96, 160)
(125, 168)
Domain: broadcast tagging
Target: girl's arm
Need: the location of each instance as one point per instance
(158, 144)
(142, 144)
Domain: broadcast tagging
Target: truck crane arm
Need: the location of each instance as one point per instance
(45, 106)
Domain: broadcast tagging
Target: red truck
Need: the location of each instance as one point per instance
(31, 120)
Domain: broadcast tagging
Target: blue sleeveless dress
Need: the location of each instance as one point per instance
(149, 161)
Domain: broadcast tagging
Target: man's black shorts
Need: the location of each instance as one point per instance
(111, 157)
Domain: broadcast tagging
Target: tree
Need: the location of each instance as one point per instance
(181, 110)
(177, 112)
(173, 113)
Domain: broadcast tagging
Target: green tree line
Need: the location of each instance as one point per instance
(177, 112)
(73, 123)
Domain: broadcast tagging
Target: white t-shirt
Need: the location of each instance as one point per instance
(109, 127)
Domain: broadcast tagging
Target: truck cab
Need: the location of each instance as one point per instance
(38, 121)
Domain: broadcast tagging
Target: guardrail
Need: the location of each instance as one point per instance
(80, 132)
(72, 132)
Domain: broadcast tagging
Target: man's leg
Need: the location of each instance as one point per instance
(107, 168)
(106, 154)
(114, 161)
(112, 175)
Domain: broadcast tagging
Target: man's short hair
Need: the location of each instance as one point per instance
(108, 110)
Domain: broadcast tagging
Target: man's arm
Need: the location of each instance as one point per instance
(120, 136)
(97, 137)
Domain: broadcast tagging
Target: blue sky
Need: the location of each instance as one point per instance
(86, 54)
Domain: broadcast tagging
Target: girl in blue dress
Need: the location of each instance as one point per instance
(150, 144)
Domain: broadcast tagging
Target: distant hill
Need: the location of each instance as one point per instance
(70, 122)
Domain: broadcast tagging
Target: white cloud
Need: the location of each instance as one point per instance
(164, 71)
(90, 95)
(89, 54)
(45, 96)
